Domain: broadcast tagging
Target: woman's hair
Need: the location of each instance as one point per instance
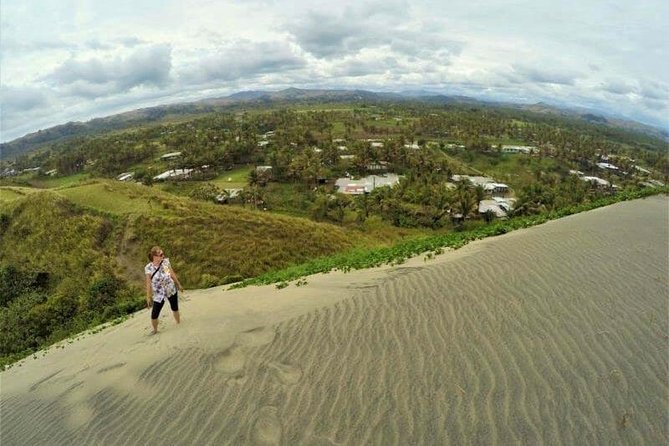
(155, 250)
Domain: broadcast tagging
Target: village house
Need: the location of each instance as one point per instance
(528, 150)
(229, 194)
(488, 184)
(491, 206)
(367, 184)
(174, 174)
(171, 155)
(377, 166)
(608, 166)
(653, 183)
(126, 176)
(599, 182)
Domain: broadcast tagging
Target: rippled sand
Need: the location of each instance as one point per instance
(558, 334)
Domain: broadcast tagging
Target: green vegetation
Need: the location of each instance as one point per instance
(73, 244)
(397, 254)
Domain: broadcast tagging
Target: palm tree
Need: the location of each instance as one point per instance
(464, 199)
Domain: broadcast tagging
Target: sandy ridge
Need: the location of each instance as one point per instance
(552, 335)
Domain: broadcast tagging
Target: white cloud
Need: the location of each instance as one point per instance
(240, 59)
(76, 59)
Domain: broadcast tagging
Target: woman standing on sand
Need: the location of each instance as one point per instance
(161, 283)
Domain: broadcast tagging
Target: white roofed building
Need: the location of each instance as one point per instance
(492, 206)
(599, 182)
(367, 184)
(127, 176)
(518, 149)
(488, 184)
(170, 155)
(174, 174)
(606, 166)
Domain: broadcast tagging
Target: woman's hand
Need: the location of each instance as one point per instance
(148, 302)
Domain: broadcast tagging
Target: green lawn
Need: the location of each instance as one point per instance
(117, 199)
(513, 169)
(54, 182)
(231, 179)
(12, 193)
(507, 141)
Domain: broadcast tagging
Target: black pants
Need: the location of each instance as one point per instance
(157, 306)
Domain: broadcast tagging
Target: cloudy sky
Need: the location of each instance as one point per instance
(64, 60)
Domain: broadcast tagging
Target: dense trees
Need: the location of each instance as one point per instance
(307, 147)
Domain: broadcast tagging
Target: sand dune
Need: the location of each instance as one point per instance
(557, 334)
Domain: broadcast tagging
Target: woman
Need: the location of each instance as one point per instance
(161, 283)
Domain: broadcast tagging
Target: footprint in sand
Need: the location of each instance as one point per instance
(267, 429)
(285, 373)
(256, 337)
(234, 358)
(111, 367)
(318, 441)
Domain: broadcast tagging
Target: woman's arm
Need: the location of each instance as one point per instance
(174, 277)
(148, 290)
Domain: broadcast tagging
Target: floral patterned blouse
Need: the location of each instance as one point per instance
(162, 283)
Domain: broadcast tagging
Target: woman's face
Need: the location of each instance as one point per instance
(158, 255)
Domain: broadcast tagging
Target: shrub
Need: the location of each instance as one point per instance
(231, 279)
(205, 192)
(208, 280)
(103, 292)
(4, 222)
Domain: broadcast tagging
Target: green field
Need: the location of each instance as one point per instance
(112, 198)
(11, 193)
(230, 179)
(58, 181)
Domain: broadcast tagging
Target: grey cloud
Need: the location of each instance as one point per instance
(13, 45)
(424, 44)
(326, 36)
(619, 87)
(131, 41)
(90, 90)
(655, 104)
(243, 59)
(95, 44)
(552, 75)
(21, 99)
(366, 25)
(655, 90)
(356, 67)
(145, 66)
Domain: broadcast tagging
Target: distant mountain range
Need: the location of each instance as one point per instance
(57, 133)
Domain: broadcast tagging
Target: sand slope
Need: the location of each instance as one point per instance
(558, 334)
